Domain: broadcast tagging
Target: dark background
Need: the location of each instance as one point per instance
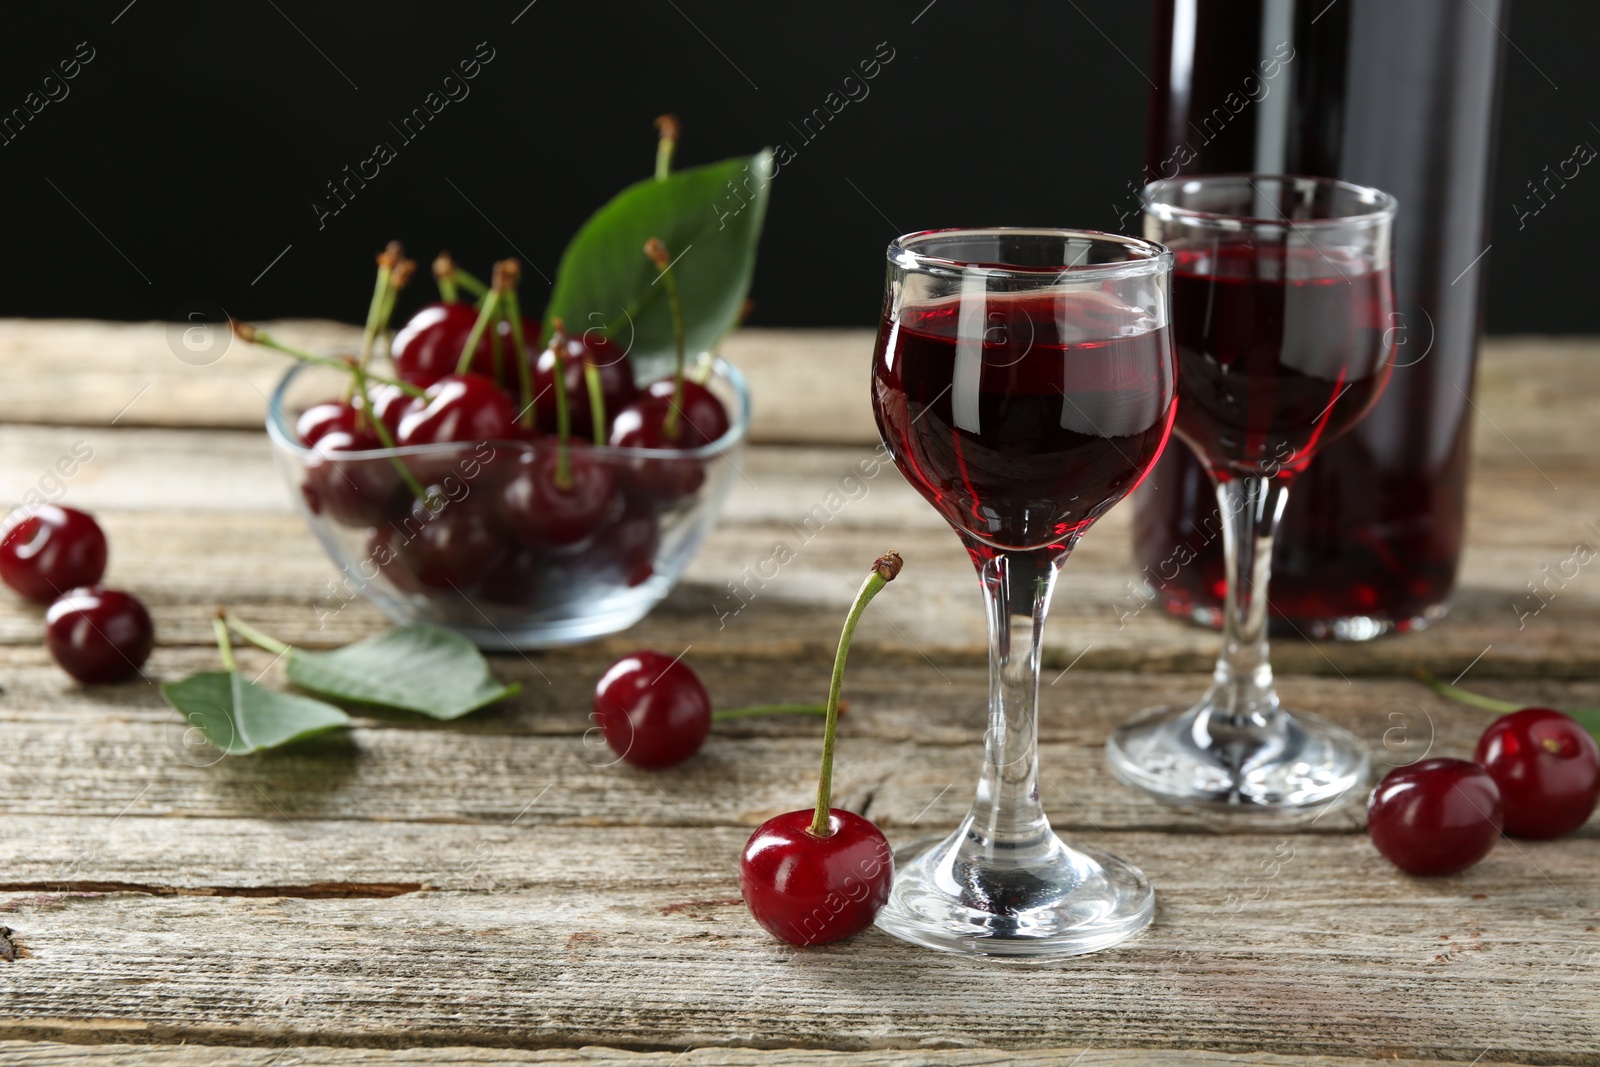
(190, 150)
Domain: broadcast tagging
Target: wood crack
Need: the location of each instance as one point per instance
(309, 891)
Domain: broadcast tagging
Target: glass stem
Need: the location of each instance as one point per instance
(1007, 813)
(1241, 688)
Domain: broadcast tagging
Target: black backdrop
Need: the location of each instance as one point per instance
(186, 154)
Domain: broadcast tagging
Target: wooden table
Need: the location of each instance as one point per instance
(481, 892)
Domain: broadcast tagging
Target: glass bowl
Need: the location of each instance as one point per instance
(456, 561)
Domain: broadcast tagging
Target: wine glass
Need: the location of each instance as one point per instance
(1282, 310)
(1024, 383)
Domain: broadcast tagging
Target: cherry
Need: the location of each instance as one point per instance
(447, 544)
(391, 405)
(810, 890)
(99, 634)
(814, 876)
(652, 709)
(428, 347)
(515, 581)
(703, 416)
(54, 549)
(1436, 816)
(459, 407)
(625, 549)
(617, 386)
(352, 492)
(541, 511)
(318, 420)
(1548, 770)
(646, 423)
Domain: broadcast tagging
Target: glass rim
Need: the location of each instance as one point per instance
(1383, 205)
(1150, 257)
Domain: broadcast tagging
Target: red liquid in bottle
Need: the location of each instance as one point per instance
(1400, 96)
(1023, 427)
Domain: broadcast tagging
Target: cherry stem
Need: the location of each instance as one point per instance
(519, 349)
(884, 569)
(386, 439)
(469, 282)
(399, 278)
(254, 636)
(656, 249)
(775, 709)
(486, 315)
(668, 127)
(388, 259)
(597, 401)
(257, 336)
(224, 646)
(558, 345)
(1464, 696)
(444, 276)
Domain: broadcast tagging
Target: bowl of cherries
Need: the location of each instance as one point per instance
(499, 476)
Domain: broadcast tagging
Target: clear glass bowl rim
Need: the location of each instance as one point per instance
(1150, 257)
(1384, 205)
(283, 435)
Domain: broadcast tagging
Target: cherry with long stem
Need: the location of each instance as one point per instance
(669, 129)
(558, 348)
(508, 272)
(657, 250)
(488, 312)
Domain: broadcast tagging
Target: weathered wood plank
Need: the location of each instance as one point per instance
(200, 517)
(54, 1054)
(1312, 946)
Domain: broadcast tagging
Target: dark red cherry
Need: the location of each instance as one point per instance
(624, 551)
(321, 419)
(703, 415)
(465, 407)
(643, 424)
(810, 890)
(352, 491)
(1548, 770)
(515, 580)
(1436, 816)
(447, 545)
(99, 634)
(652, 709)
(391, 405)
(540, 512)
(429, 345)
(384, 556)
(51, 550)
(617, 387)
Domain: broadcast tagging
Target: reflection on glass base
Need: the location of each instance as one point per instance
(1344, 628)
(1297, 761)
(1058, 902)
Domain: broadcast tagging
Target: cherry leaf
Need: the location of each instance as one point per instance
(420, 668)
(239, 717)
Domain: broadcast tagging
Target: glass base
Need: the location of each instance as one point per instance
(1048, 902)
(1351, 628)
(1296, 761)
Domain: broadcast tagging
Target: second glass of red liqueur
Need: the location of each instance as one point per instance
(1281, 315)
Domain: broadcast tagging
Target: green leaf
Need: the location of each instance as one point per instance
(710, 218)
(239, 717)
(1589, 719)
(414, 668)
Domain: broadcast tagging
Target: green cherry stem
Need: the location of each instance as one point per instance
(724, 714)
(254, 636)
(512, 272)
(558, 351)
(386, 439)
(487, 312)
(884, 569)
(657, 250)
(444, 276)
(597, 401)
(224, 646)
(470, 282)
(388, 259)
(668, 127)
(1465, 696)
(257, 336)
(399, 278)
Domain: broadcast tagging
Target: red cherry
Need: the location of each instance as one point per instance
(391, 404)
(99, 634)
(350, 491)
(1436, 816)
(703, 414)
(54, 549)
(516, 580)
(625, 549)
(643, 424)
(428, 347)
(652, 709)
(810, 890)
(464, 407)
(449, 546)
(540, 512)
(1548, 770)
(318, 420)
(617, 386)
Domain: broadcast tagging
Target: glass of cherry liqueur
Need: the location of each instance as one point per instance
(1281, 305)
(1024, 383)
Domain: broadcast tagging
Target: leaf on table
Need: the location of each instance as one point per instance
(239, 717)
(710, 218)
(415, 668)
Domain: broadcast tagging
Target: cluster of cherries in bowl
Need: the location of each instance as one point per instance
(57, 556)
(523, 469)
(1535, 774)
